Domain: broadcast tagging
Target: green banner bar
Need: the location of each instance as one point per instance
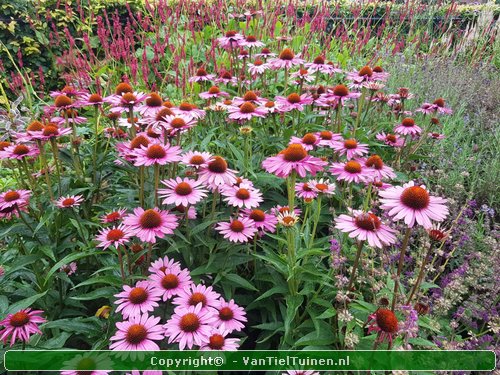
(251, 360)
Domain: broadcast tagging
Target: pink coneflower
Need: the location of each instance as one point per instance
(385, 323)
(286, 59)
(156, 153)
(21, 325)
(213, 92)
(436, 136)
(237, 230)
(300, 372)
(153, 104)
(113, 217)
(164, 264)
(69, 91)
(308, 141)
(201, 76)
(217, 173)
(262, 221)
(138, 333)
(171, 281)
(149, 224)
(10, 212)
(158, 120)
(181, 212)
(196, 159)
(293, 158)
(350, 171)
(179, 123)
(142, 298)
(182, 191)
(193, 294)
(305, 191)
(217, 340)
(249, 96)
(366, 226)
(328, 138)
(391, 139)
(114, 236)
(319, 65)
(13, 198)
(126, 101)
(322, 187)
(88, 99)
(408, 127)
(230, 316)
(378, 184)
(376, 165)
(413, 203)
(293, 101)
(365, 75)
(257, 67)
(19, 152)
(69, 269)
(187, 109)
(251, 42)
(271, 107)
(243, 195)
(339, 93)
(227, 78)
(190, 326)
(287, 218)
(302, 75)
(351, 148)
(69, 201)
(231, 39)
(62, 102)
(265, 53)
(438, 106)
(49, 131)
(245, 111)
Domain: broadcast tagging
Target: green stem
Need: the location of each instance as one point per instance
(46, 168)
(421, 274)
(316, 220)
(157, 182)
(28, 225)
(355, 265)
(400, 267)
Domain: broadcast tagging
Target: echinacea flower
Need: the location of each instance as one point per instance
(171, 281)
(156, 153)
(151, 223)
(308, 141)
(182, 191)
(251, 42)
(231, 39)
(413, 203)
(13, 198)
(50, 131)
(217, 173)
(190, 326)
(217, 340)
(302, 75)
(287, 218)
(328, 138)
(243, 195)
(137, 300)
(262, 221)
(293, 158)
(319, 65)
(115, 236)
(351, 148)
(257, 67)
(322, 187)
(88, 99)
(196, 159)
(436, 136)
(152, 105)
(245, 111)
(193, 294)
(69, 269)
(438, 234)
(19, 152)
(365, 75)
(286, 59)
(366, 226)
(293, 101)
(408, 127)
(213, 92)
(385, 323)
(126, 101)
(114, 217)
(201, 76)
(265, 53)
(21, 325)
(164, 264)
(63, 101)
(69, 201)
(391, 139)
(237, 230)
(305, 191)
(339, 94)
(189, 109)
(230, 316)
(376, 165)
(138, 333)
(350, 171)
(249, 96)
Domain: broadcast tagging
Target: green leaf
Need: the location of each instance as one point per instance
(47, 250)
(56, 342)
(24, 303)
(238, 280)
(109, 280)
(4, 303)
(421, 342)
(277, 289)
(77, 325)
(323, 337)
(328, 313)
(106, 292)
(66, 260)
